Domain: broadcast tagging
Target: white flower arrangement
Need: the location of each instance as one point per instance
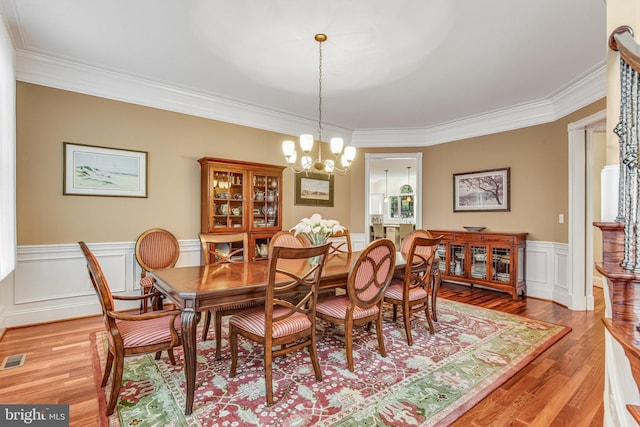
(317, 229)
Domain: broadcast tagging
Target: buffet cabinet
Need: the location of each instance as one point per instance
(238, 196)
(492, 260)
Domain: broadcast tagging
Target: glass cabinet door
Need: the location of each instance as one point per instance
(456, 260)
(265, 206)
(479, 262)
(441, 253)
(501, 264)
(227, 199)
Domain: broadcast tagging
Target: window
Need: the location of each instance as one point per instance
(401, 207)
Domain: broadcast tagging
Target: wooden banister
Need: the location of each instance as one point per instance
(621, 239)
(621, 40)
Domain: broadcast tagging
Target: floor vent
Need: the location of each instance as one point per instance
(13, 361)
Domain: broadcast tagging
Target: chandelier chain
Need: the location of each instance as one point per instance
(320, 99)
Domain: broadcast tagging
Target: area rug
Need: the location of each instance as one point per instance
(431, 383)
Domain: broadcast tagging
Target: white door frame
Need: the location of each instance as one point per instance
(417, 206)
(580, 253)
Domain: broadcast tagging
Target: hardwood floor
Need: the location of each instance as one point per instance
(562, 387)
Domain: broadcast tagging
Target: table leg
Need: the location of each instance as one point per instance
(189, 323)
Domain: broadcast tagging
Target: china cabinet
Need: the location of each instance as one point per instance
(238, 196)
(493, 260)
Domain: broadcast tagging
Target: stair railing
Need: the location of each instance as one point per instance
(621, 40)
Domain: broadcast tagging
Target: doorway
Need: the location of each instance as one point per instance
(580, 256)
(393, 189)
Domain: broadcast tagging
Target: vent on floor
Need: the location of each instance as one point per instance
(13, 361)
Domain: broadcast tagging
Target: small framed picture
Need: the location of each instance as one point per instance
(314, 189)
(486, 190)
(102, 171)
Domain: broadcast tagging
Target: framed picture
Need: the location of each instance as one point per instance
(314, 189)
(486, 190)
(101, 171)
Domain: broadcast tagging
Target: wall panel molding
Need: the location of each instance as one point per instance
(546, 271)
(51, 281)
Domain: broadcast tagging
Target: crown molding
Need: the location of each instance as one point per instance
(61, 74)
(574, 96)
(53, 72)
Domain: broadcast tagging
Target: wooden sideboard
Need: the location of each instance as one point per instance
(493, 260)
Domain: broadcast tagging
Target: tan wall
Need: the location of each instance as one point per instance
(47, 117)
(538, 158)
(536, 155)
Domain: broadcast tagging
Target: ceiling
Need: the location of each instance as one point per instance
(402, 72)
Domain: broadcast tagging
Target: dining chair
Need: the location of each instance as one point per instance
(282, 326)
(378, 231)
(130, 334)
(436, 274)
(340, 242)
(288, 239)
(404, 230)
(411, 292)
(219, 249)
(362, 304)
(155, 248)
(408, 239)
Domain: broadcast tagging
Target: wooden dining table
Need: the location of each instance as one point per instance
(198, 288)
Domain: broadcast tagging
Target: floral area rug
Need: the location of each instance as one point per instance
(433, 382)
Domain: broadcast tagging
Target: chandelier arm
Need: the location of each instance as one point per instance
(337, 170)
(298, 170)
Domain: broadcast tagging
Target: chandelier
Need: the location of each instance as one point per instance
(307, 162)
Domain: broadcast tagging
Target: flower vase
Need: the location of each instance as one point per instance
(317, 240)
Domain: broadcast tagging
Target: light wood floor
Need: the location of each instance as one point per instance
(562, 387)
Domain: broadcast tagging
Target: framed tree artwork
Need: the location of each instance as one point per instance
(486, 190)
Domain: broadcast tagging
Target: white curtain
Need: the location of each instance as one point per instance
(7, 154)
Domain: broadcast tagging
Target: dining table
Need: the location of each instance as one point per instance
(198, 288)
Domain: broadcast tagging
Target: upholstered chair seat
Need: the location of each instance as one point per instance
(337, 307)
(396, 290)
(146, 332)
(254, 321)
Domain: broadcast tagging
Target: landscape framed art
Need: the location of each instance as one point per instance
(314, 189)
(101, 171)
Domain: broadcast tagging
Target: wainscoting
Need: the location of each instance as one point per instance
(51, 281)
